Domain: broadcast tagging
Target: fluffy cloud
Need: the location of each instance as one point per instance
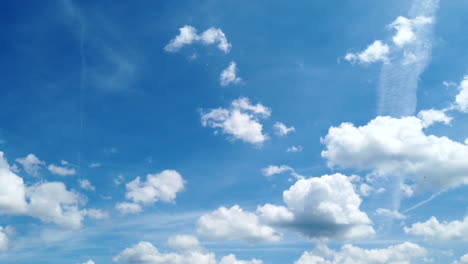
(432, 229)
(61, 170)
(188, 35)
(229, 75)
(128, 208)
(461, 99)
(273, 170)
(3, 239)
(282, 130)
(146, 253)
(403, 253)
(431, 116)
(31, 164)
(389, 213)
(405, 29)
(241, 120)
(89, 262)
(235, 224)
(399, 146)
(85, 184)
(163, 186)
(49, 201)
(377, 51)
(326, 207)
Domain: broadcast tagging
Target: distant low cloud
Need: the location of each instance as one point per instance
(405, 29)
(61, 170)
(404, 253)
(461, 99)
(188, 35)
(295, 149)
(431, 116)
(128, 208)
(274, 169)
(434, 230)
(390, 213)
(229, 75)
(86, 184)
(241, 120)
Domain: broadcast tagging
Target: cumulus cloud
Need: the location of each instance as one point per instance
(241, 120)
(377, 51)
(282, 130)
(405, 29)
(399, 147)
(50, 202)
(188, 35)
(235, 224)
(431, 116)
(162, 186)
(461, 99)
(434, 230)
(89, 262)
(273, 170)
(295, 149)
(404, 253)
(390, 213)
(146, 253)
(229, 75)
(3, 239)
(31, 164)
(61, 170)
(86, 184)
(128, 208)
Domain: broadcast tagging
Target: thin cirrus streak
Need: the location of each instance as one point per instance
(398, 82)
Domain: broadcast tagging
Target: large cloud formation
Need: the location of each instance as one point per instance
(49, 201)
(188, 250)
(399, 146)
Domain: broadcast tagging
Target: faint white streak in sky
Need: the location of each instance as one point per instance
(421, 203)
(399, 77)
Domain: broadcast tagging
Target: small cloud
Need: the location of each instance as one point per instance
(85, 184)
(31, 164)
(95, 165)
(377, 51)
(128, 208)
(62, 171)
(390, 213)
(282, 130)
(295, 149)
(188, 35)
(229, 75)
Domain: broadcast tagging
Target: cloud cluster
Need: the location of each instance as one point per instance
(188, 250)
(399, 147)
(241, 120)
(188, 35)
(229, 75)
(434, 230)
(50, 202)
(404, 253)
(162, 186)
(324, 207)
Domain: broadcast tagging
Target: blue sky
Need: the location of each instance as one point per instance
(234, 132)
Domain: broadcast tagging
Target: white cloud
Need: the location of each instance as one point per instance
(235, 224)
(162, 186)
(89, 262)
(241, 120)
(49, 201)
(188, 35)
(95, 213)
(273, 170)
(274, 215)
(31, 164)
(85, 184)
(229, 75)
(3, 240)
(282, 130)
(95, 165)
(399, 147)
(389, 213)
(326, 207)
(463, 260)
(128, 208)
(63, 171)
(365, 189)
(403, 253)
(406, 29)
(434, 230)
(462, 98)
(295, 149)
(146, 253)
(431, 116)
(377, 51)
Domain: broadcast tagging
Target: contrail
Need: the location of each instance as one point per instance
(398, 82)
(421, 203)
